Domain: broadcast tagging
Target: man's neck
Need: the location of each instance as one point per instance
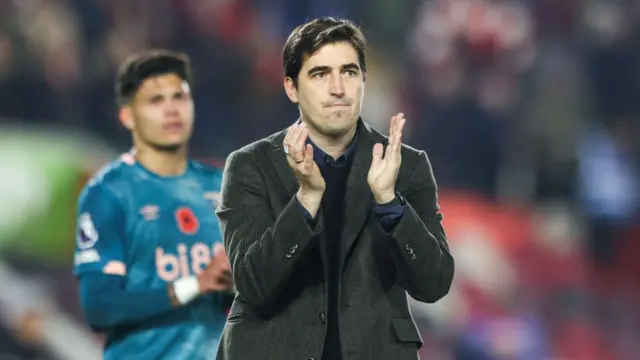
(163, 163)
(332, 146)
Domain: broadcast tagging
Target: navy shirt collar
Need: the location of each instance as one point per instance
(322, 159)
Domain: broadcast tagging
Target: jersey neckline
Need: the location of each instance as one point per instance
(164, 177)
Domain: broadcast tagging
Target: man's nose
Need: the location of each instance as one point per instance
(171, 108)
(337, 86)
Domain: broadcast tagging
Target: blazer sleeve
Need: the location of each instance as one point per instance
(418, 242)
(264, 248)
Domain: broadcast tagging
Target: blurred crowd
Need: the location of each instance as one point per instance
(526, 109)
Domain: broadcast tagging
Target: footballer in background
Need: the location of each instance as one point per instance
(152, 270)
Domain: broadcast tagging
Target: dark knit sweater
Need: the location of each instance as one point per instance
(335, 173)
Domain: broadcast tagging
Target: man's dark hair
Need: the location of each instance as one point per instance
(143, 65)
(308, 38)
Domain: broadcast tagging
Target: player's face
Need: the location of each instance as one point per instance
(162, 112)
(330, 89)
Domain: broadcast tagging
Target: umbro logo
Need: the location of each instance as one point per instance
(150, 212)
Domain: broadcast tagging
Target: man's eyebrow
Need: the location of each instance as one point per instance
(350, 66)
(317, 69)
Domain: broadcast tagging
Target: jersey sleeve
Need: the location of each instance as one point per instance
(99, 233)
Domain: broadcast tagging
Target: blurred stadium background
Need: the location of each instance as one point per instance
(527, 110)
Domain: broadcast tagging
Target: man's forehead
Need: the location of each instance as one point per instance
(332, 55)
(168, 81)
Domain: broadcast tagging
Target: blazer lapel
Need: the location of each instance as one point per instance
(279, 160)
(358, 197)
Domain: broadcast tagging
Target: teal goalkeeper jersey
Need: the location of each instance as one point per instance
(154, 230)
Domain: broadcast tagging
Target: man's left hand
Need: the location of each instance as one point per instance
(384, 169)
(217, 276)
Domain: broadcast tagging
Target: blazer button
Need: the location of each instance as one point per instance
(288, 256)
(407, 247)
(323, 317)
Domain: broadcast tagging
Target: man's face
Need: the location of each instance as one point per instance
(330, 89)
(161, 113)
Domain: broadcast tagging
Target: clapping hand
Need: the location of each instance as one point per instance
(384, 169)
(300, 158)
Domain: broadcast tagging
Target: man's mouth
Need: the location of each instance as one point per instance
(175, 126)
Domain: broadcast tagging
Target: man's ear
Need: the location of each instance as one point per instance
(126, 117)
(291, 89)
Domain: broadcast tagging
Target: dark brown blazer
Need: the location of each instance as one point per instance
(278, 312)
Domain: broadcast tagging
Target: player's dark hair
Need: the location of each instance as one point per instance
(146, 64)
(308, 38)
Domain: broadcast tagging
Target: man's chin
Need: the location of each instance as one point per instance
(340, 127)
(338, 132)
(169, 146)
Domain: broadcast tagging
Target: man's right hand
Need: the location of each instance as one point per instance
(217, 276)
(300, 158)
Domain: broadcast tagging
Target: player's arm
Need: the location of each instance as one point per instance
(101, 268)
(106, 304)
(263, 249)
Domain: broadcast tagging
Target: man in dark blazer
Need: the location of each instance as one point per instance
(329, 224)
